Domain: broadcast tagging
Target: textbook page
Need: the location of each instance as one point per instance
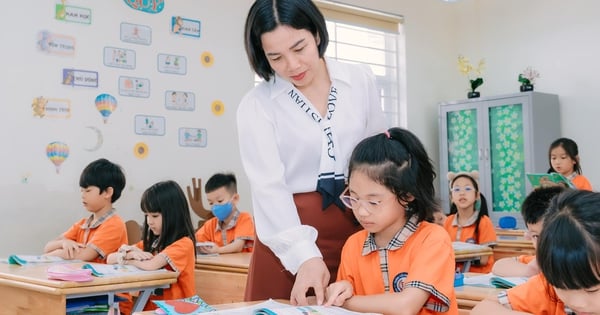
(272, 307)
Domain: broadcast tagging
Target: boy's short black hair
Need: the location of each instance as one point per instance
(103, 173)
(536, 203)
(219, 180)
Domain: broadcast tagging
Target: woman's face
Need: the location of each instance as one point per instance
(293, 54)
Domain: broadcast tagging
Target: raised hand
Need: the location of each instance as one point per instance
(195, 198)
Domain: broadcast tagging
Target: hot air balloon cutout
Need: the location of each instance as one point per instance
(106, 104)
(57, 152)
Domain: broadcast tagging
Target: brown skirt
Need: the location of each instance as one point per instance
(267, 278)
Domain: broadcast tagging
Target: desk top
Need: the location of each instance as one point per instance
(34, 277)
(510, 232)
(219, 306)
(237, 260)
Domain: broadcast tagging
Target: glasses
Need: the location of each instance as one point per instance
(466, 189)
(354, 203)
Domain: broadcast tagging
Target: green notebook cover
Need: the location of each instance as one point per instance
(548, 179)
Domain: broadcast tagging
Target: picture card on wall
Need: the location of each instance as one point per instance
(185, 27)
(119, 57)
(75, 77)
(172, 64)
(180, 100)
(149, 125)
(136, 33)
(56, 44)
(135, 87)
(193, 137)
(51, 107)
(73, 14)
(148, 6)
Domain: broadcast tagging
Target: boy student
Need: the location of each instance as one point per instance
(230, 230)
(533, 210)
(94, 237)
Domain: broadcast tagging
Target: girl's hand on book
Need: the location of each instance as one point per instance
(338, 292)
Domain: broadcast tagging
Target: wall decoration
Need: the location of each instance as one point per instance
(136, 33)
(73, 14)
(105, 104)
(207, 59)
(217, 108)
(56, 44)
(98, 141)
(74, 77)
(57, 152)
(149, 125)
(119, 57)
(172, 64)
(148, 6)
(51, 107)
(180, 100)
(192, 137)
(135, 87)
(140, 150)
(185, 27)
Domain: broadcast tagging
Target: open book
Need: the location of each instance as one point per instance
(271, 307)
(28, 259)
(548, 179)
(188, 306)
(491, 280)
(103, 270)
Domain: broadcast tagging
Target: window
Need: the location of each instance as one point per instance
(358, 35)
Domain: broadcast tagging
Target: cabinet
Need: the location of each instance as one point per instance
(503, 137)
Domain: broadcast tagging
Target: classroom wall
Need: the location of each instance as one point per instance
(39, 204)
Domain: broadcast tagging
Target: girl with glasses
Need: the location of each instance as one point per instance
(468, 220)
(400, 260)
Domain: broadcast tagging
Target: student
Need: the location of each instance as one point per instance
(468, 220)
(94, 237)
(230, 230)
(563, 158)
(399, 261)
(533, 209)
(296, 130)
(167, 240)
(567, 254)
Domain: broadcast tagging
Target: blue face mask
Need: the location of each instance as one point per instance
(222, 211)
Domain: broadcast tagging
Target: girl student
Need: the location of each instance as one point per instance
(563, 157)
(168, 240)
(468, 220)
(567, 254)
(400, 261)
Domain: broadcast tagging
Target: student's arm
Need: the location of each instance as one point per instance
(233, 247)
(410, 301)
(64, 248)
(509, 267)
(154, 263)
(492, 306)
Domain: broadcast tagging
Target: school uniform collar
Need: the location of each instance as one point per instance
(231, 224)
(397, 241)
(86, 224)
(470, 222)
(337, 73)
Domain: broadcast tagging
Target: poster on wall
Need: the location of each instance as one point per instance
(51, 107)
(135, 87)
(193, 137)
(119, 58)
(148, 6)
(180, 100)
(185, 27)
(73, 14)
(56, 44)
(149, 125)
(136, 34)
(172, 64)
(76, 77)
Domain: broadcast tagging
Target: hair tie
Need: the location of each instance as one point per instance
(387, 134)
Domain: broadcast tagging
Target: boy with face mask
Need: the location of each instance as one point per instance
(230, 230)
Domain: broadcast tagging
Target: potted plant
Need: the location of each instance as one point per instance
(527, 79)
(472, 73)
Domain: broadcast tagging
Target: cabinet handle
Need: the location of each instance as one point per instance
(486, 153)
(480, 151)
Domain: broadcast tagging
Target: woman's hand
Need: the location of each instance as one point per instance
(313, 273)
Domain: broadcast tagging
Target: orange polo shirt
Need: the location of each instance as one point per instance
(487, 236)
(535, 296)
(240, 227)
(420, 256)
(581, 182)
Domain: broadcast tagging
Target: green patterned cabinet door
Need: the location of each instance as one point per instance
(462, 140)
(507, 153)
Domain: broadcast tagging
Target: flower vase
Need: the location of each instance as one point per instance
(526, 87)
(473, 94)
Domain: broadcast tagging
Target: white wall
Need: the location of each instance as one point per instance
(555, 38)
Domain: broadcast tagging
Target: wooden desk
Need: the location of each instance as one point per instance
(468, 296)
(222, 279)
(513, 245)
(468, 255)
(26, 289)
(219, 306)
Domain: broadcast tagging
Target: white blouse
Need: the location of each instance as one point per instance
(280, 147)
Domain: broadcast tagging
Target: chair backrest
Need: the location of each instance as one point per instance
(134, 231)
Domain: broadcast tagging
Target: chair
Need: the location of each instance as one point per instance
(134, 231)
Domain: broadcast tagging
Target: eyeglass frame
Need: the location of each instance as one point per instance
(370, 203)
(466, 189)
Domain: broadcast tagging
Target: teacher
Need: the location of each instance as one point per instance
(296, 131)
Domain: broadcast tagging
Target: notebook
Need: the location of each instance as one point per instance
(548, 179)
(32, 259)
